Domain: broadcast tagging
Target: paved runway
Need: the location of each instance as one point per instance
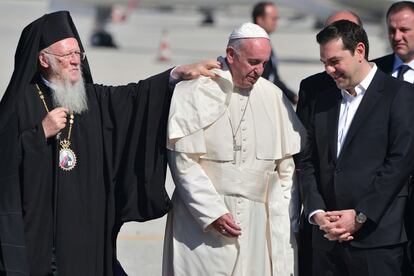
(140, 244)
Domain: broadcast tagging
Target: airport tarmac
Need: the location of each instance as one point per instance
(140, 244)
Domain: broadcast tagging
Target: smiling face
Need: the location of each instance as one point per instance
(62, 60)
(344, 66)
(401, 33)
(247, 62)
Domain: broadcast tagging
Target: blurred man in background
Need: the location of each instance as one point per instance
(265, 14)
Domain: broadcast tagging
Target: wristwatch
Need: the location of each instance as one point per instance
(360, 218)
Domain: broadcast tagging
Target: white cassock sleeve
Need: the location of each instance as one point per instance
(286, 170)
(195, 188)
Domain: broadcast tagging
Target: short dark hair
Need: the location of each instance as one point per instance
(350, 33)
(399, 6)
(259, 10)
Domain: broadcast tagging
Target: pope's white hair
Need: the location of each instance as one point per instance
(236, 44)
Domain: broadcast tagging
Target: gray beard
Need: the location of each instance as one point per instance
(71, 96)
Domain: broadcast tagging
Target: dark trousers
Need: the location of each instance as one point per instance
(409, 228)
(345, 260)
(305, 248)
(408, 266)
(118, 269)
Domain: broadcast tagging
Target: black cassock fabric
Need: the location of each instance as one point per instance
(35, 36)
(120, 147)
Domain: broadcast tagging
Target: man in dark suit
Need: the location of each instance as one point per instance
(265, 15)
(400, 64)
(308, 90)
(320, 81)
(357, 160)
(400, 23)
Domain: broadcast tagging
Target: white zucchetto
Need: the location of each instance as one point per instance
(248, 30)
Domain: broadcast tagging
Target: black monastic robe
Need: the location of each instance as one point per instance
(119, 175)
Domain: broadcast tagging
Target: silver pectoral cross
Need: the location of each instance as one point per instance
(236, 148)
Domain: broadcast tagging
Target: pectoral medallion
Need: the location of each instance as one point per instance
(67, 157)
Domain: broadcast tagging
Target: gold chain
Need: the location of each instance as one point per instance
(42, 97)
(72, 117)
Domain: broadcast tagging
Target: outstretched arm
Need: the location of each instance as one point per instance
(193, 71)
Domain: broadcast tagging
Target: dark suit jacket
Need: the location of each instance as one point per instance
(376, 159)
(385, 63)
(271, 69)
(308, 90)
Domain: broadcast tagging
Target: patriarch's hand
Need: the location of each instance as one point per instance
(193, 71)
(54, 121)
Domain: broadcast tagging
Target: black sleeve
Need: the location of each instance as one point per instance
(135, 125)
(399, 160)
(303, 108)
(307, 171)
(13, 255)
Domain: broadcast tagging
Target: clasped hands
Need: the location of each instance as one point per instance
(337, 225)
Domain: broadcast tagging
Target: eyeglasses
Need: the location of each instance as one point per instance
(68, 56)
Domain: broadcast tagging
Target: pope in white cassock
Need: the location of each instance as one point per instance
(231, 141)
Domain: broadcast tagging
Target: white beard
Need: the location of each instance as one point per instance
(71, 96)
(68, 94)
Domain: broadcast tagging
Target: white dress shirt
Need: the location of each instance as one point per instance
(349, 107)
(409, 75)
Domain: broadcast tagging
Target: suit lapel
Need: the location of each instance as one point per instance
(333, 116)
(372, 95)
(329, 104)
(389, 64)
(386, 64)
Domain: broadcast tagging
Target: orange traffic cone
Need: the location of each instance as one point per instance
(164, 52)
